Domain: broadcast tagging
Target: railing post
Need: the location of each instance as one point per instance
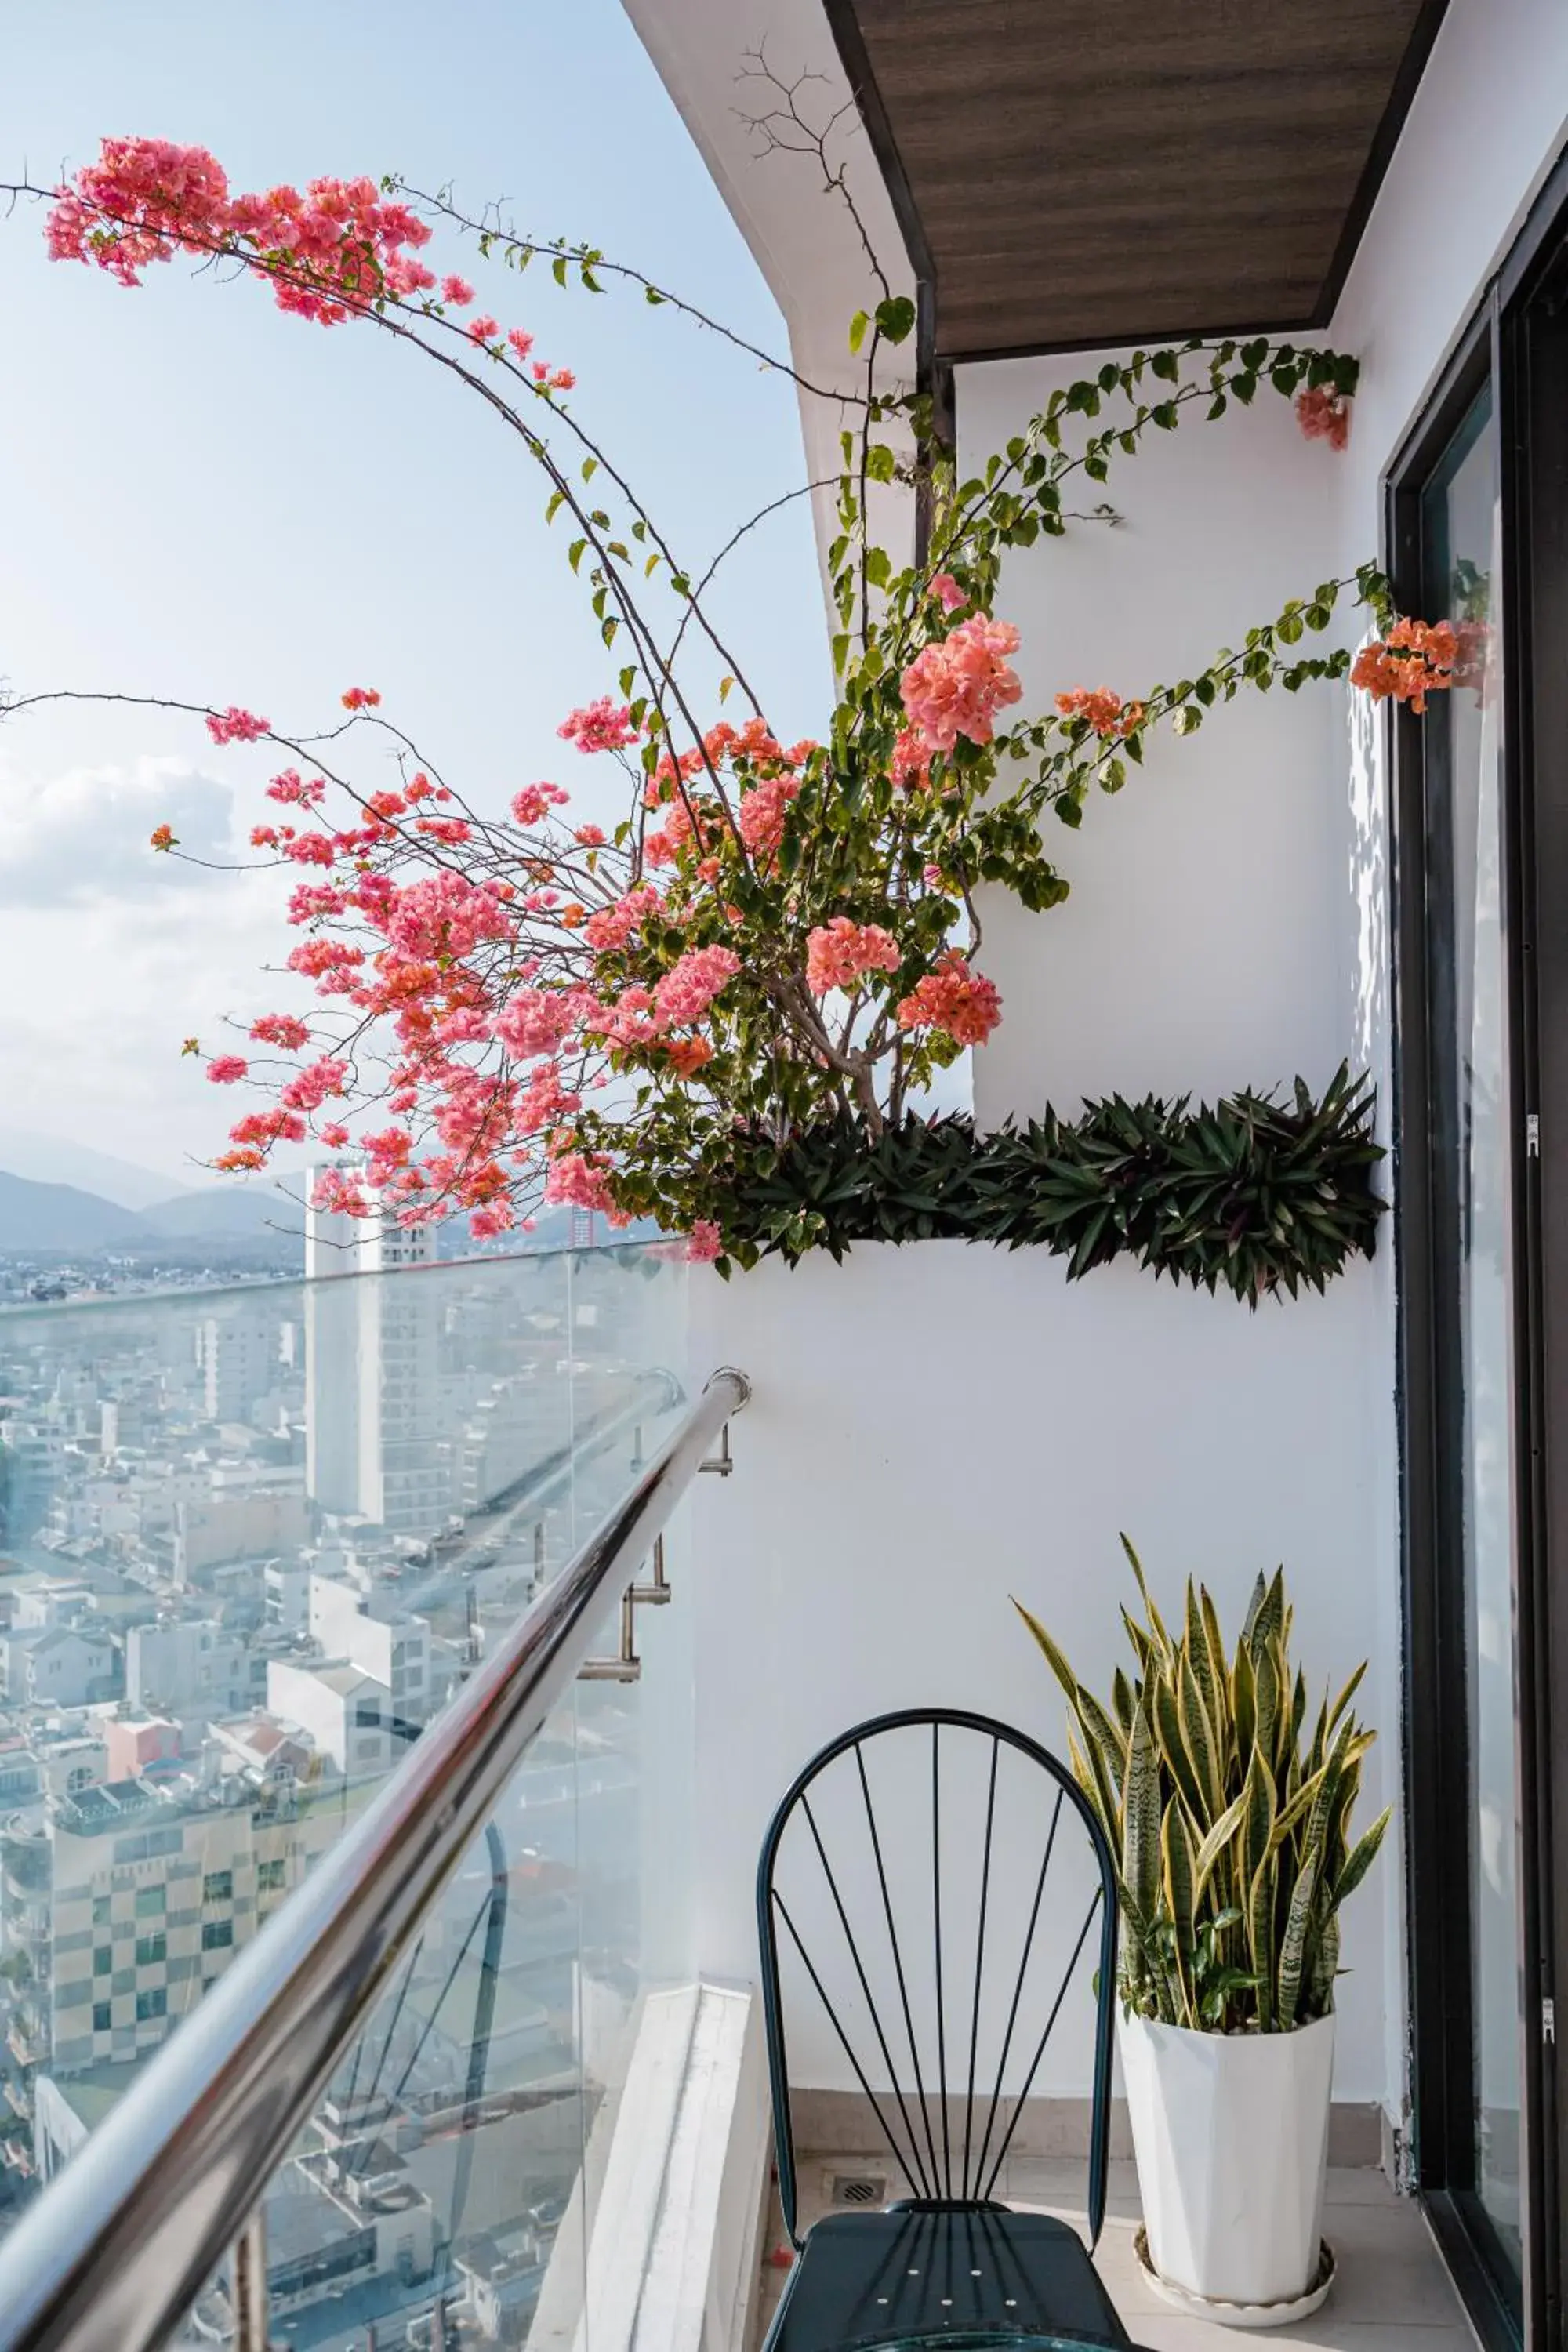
(250, 2275)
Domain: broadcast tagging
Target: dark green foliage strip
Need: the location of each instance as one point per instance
(1256, 1195)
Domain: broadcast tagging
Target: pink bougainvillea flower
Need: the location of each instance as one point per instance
(956, 685)
(534, 803)
(1324, 415)
(1105, 711)
(361, 697)
(601, 726)
(954, 999)
(1416, 658)
(282, 1029)
(947, 591)
(691, 984)
(162, 837)
(704, 1243)
(456, 290)
(225, 1069)
(236, 726)
(590, 836)
(840, 952)
(483, 331)
(910, 764)
(761, 819)
(521, 343)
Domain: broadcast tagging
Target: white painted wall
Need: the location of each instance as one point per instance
(936, 1427)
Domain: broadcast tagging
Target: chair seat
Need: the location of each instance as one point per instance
(865, 2278)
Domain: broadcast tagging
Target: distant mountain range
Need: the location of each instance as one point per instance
(63, 1220)
(51, 1160)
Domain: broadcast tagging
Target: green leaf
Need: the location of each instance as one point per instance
(858, 326)
(1141, 1823)
(1293, 1944)
(896, 317)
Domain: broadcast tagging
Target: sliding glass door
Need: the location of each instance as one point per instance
(1472, 1127)
(1479, 538)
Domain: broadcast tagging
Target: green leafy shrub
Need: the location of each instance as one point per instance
(1259, 1195)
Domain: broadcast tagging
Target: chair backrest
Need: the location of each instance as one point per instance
(925, 1895)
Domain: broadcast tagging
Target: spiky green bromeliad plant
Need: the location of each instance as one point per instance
(1233, 1842)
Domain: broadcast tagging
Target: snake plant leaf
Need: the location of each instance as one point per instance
(1198, 1737)
(1122, 1699)
(1161, 1700)
(1260, 1902)
(1108, 1784)
(1181, 1891)
(1360, 1858)
(1083, 1773)
(1196, 1655)
(1107, 1736)
(1293, 1944)
(1298, 1710)
(1345, 1697)
(1298, 1807)
(1260, 1594)
(1141, 1821)
(1320, 1740)
(1215, 1842)
(1244, 1706)
(1054, 1657)
(1163, 1641)
(1219, 1674)
(1269, 1617)
(1143, 1647)
(1325, 1966)
(1265, 1703)
(1259, 1812)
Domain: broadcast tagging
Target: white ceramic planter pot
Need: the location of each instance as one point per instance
(1231, 2133)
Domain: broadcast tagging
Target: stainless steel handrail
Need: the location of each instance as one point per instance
(115, 2253)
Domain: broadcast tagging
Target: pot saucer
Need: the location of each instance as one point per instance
(1239, 2314)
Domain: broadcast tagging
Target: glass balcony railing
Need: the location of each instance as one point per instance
(460, 2167)
(252, 1541)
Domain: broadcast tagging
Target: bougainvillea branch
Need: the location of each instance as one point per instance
(774, 940)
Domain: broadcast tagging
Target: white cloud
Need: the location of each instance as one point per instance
(85, 835)
(111, 955)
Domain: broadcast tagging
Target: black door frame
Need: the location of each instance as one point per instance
(1518, 342)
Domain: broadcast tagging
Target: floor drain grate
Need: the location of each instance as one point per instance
(858, 2188)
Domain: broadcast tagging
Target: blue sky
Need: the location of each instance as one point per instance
(206, 499)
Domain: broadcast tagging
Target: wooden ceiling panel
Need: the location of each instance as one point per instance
(1104, 170)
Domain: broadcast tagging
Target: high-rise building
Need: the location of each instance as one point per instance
(373, 1443)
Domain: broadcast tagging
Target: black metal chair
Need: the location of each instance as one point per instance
(933, 1981)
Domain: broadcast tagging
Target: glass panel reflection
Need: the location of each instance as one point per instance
(251, 1541)
(1474, 1122)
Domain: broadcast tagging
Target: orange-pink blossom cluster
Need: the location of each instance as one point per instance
(955, 999)
(1416, 658)
(1324, 415)
(1105, 711)
(840, 952)
(956, 685)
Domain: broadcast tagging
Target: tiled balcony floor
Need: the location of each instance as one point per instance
(1392, 2293)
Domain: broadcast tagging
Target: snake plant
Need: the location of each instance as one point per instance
(1232, 1839)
